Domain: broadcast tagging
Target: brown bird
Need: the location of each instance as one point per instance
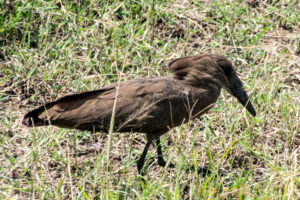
(149, 105)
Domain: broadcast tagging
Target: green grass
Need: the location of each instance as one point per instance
(52, 48)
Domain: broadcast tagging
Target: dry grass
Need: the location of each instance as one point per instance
(49, 49)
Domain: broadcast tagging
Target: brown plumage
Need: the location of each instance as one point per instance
(150, 105)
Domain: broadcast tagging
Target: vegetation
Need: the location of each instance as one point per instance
(52, 48)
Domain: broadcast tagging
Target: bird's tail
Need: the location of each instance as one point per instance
(66, 112)
(32, 117)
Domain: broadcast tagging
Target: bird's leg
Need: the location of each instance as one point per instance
(141, 161)
(160, 159)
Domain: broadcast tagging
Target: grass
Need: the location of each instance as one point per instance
(52, 48)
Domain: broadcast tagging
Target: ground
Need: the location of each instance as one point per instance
(52, 48)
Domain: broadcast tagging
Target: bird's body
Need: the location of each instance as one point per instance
(164, 102)
(150, 105)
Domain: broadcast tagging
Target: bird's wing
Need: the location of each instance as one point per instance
(93, 110)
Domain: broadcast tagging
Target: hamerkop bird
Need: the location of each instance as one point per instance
(149, 105)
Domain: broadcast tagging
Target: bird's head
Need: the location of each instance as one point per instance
(235, 86)
(210, 68)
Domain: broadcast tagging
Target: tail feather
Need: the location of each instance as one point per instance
(39, 116)
(31, 118)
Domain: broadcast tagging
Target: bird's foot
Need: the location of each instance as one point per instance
(163, 163)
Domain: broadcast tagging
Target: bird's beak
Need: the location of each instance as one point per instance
(237, 90)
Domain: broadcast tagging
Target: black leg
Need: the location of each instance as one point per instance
(141, 161)
(160, 159)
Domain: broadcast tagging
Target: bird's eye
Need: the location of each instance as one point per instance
(227, 69)
(226, 66)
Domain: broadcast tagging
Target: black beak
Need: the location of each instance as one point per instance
(237, 90)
